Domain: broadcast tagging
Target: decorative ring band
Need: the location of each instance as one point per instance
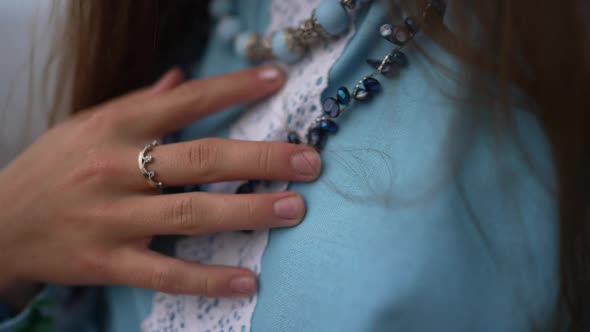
(143, 160)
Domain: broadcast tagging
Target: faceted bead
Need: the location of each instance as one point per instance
(350, 4)
(317, 138)
(412, 25)
(331, 107)
(293, 138)
(401, 35)
(343, 96)
(332, 17)
(361, 94)
(372, 85)
(329, 126)
(388, 69)
(386, 31)
(245, 188)
(400, 58)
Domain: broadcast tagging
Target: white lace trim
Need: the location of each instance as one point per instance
(293, 108)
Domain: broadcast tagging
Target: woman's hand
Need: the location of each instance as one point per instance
(76, 209)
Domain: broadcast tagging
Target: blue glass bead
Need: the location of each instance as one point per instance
(388, 69)
(245, 188)
(412, 25)
(280, 49)
(329, 126)
(332, 16)
(293, 138)
(228, 28)
(343, 96)
(400, 58)
(361, 94)
(372, 85)
(317, 138)
(331, 107)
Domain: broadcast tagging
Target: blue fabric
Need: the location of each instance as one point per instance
(392, 241)
(423, 219)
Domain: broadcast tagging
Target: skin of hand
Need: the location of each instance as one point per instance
(77, 211)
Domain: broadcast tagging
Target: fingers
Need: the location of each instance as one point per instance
(170, 80)
(206, 213)
(147, 269)
(195, 99)
(116, 110)
(216, 160)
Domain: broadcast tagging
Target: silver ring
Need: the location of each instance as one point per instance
(143, 160)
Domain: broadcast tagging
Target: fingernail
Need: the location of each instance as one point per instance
(243, 285)
(290, 208)
(270, 74)
(307, 163)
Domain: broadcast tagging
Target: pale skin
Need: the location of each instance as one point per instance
(76, 210)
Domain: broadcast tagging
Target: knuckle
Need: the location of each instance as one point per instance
(182, 215)
(250, 209)
(195, 93)
(265, 158)
(203, 156)
(206, 287)
(101, 120)
(162, 280)
(92, 263)
(98, 166)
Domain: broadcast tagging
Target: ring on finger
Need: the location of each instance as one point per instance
(143, 160)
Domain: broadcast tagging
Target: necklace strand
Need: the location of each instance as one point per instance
(327, 21)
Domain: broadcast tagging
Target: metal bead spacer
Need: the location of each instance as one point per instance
(258, 49)
(350, 4)
(294, 44)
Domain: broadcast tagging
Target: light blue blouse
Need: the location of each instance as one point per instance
(423, 219)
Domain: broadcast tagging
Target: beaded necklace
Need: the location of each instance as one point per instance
(330, 19)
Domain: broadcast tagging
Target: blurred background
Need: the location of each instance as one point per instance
(25, 34)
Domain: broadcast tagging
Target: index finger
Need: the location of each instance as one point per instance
(164, 113)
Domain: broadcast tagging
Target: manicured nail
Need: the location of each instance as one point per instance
(270, 74)
(243, 285)
(307, 163)
(290, 208)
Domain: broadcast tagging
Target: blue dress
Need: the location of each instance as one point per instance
(423, 220)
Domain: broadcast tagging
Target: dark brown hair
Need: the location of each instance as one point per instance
(542, 47)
